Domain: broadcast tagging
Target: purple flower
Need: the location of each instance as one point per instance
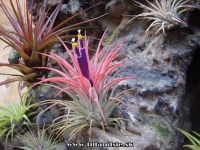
(81, 57)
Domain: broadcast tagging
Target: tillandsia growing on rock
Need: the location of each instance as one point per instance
(89, 86)
(28, 37)
(38, 139)
(165, 14)
(15, 116)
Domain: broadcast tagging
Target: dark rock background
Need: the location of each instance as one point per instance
(167, 88)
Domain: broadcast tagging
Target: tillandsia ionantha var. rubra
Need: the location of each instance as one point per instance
(29, 37)
(88, 83)
(164, 14)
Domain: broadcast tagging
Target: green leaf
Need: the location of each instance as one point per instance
(195, 142)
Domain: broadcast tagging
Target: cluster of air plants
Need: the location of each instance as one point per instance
(15, 116)
(37, 140)
(164, 14)
(29, 37)
(195, 142)
(88, 84)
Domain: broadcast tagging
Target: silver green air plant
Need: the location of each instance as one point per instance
(38, 139)
(90, 84)
(164, 14)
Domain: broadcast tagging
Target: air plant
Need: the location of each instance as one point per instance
(15, 116)
(88, 84)
(37, 140)
(28, 37)
(164, 14)
(195, 142)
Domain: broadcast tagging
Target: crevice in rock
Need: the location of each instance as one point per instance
(193, 91)
(191, 101)
(194, 18)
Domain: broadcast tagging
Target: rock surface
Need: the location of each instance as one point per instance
(13, 57)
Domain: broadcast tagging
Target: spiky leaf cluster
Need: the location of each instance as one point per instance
(164, 14)
(92, 103)
(30, 37)
(37, 140)
(15, 116)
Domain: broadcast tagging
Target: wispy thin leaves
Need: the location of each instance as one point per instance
(164, 14)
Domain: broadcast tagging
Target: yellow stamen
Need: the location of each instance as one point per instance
(79, 35)
(74, 45)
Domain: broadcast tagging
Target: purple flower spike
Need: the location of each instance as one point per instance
(81, 57)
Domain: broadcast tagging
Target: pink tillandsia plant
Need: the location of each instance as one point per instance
(30, 36)
(87, 83)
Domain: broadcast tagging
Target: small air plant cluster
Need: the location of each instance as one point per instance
(164, 14)
(88, 84)
(37, 139)
(15, 116)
